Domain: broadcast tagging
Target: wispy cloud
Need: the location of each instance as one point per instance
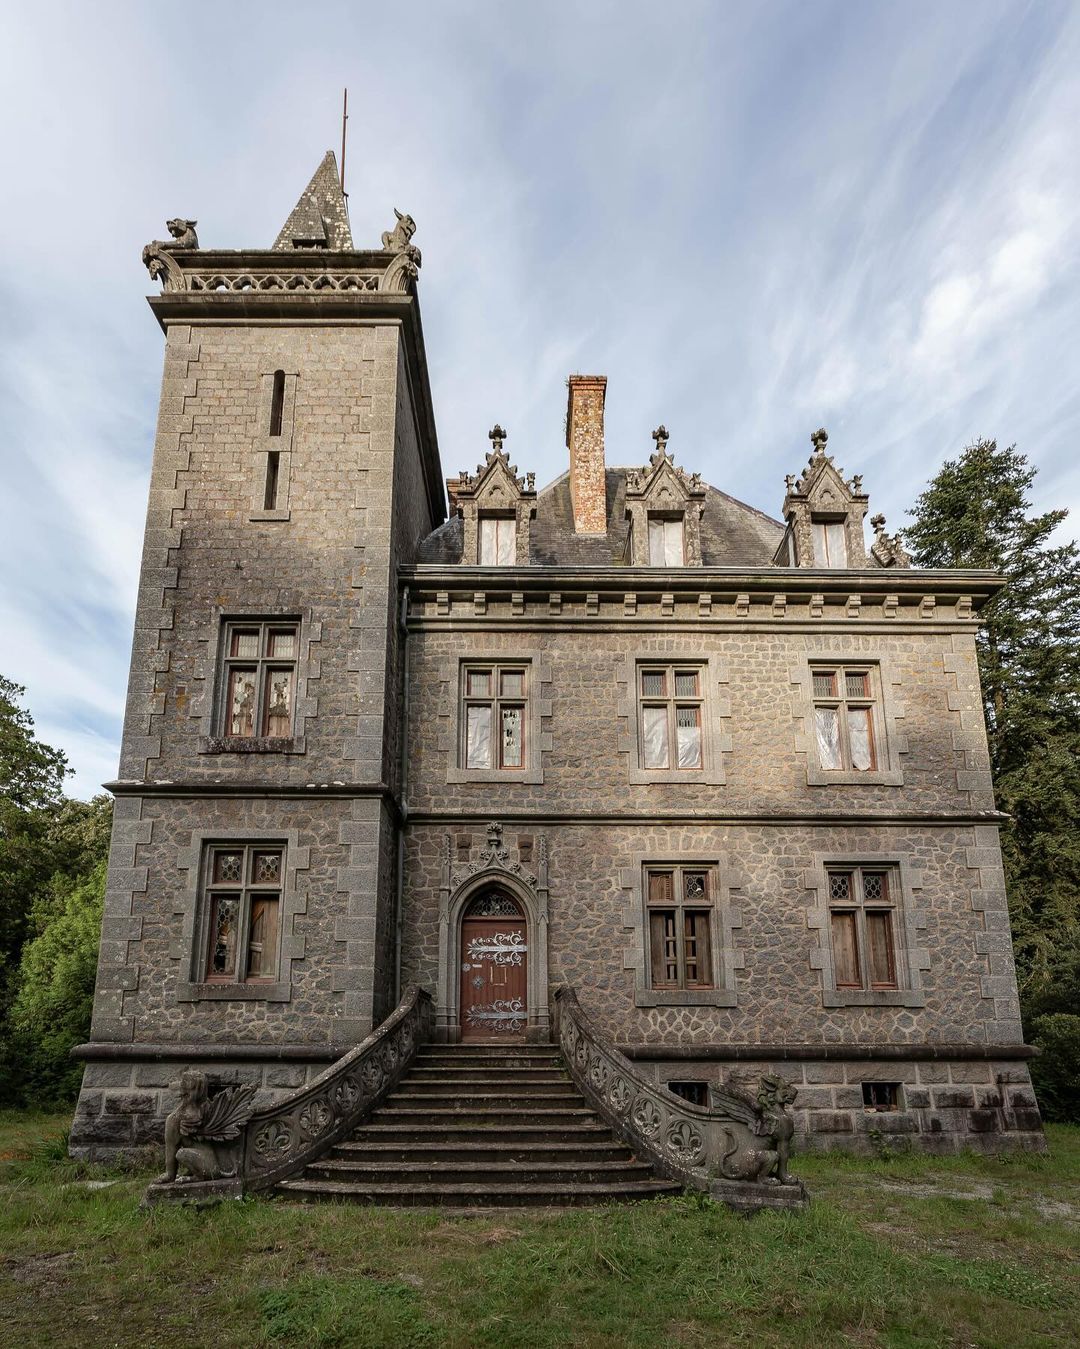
(752, 219)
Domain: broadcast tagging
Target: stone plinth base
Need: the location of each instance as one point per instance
(197, 1192)
(746, 1196)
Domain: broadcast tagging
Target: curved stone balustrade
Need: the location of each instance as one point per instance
(268, 1145)
(736, 1148)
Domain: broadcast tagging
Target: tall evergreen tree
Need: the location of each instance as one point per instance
(977, 512)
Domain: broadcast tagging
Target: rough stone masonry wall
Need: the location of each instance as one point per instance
(324, 556)
(766, 918)
(944, 1106)
(756, 711)
(763, 821)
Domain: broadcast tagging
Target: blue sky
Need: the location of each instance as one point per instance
(754, 219)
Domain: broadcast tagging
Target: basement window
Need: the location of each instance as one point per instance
(880, 1097)
(697, 1093)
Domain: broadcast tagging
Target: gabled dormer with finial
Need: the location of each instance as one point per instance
(664, 506)
(824, 513)
(496, 507)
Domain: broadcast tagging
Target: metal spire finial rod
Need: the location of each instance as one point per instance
(344, 121)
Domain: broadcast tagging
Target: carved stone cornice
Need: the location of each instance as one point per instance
(245, 271)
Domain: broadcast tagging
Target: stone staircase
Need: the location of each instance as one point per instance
(478, 1126)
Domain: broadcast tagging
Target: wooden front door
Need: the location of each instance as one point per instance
(494, 987)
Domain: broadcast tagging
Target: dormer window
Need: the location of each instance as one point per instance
(498, 539)
(666, 546)
(830, 543)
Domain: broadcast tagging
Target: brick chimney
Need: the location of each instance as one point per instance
(585, 441)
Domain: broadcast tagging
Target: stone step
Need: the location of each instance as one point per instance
(496, 1150)
(434, 1117)
(539, 1074)
(477, 1195)
(477, 1064)
(364, 1171)
(407, 1134)
(486, 1092)
(487, 1053)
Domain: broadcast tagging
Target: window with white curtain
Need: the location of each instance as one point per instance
(666, 541)
(497, 540)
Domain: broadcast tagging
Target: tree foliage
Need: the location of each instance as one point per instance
(52, 870)
(31, 788)
(977, 513)
(55, 988)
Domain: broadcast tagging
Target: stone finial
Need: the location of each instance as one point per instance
(496, 435)
(660, 435)
(494, 834)
(856, 484)
(530, 482)
(789, 482)
(887, 549)
(819, 440)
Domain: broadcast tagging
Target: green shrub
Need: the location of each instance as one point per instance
(1056, 1070)
(55, 991)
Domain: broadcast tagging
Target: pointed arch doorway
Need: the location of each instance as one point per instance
(494, 997)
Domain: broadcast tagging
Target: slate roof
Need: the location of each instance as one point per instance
(732, 533)
(321, 217)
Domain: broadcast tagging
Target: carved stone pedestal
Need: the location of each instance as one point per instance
(745, 1196)
(196, 1192)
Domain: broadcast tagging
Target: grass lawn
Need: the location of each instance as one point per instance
(903, 1251)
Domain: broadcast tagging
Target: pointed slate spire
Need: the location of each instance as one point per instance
(320, 219)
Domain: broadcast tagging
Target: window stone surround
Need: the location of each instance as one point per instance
(911, 958)
(188, 947)
(207, 702)
(888, 711)
(716, 711)
(537, 707)
(727, 916)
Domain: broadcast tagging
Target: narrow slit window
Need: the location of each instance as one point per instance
(277, 403)
(273, 475)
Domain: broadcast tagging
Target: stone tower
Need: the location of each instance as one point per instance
(253, 879)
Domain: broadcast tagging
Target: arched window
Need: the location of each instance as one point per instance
(493, 904)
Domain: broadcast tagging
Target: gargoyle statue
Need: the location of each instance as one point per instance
(155, 255)
(397, 239)
(770, 1121)
(200, 1132)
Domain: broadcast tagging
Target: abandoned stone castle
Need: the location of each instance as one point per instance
(723, 775)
